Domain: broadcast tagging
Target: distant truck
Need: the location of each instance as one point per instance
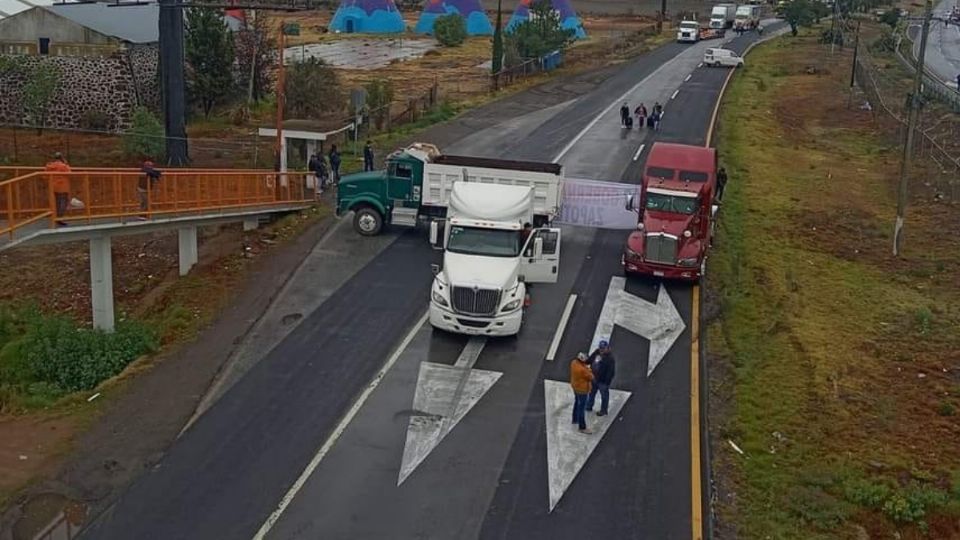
(722, 16)
(677, 213)
(688, 32)
(418, 182)
(489, 259)
(747, 17)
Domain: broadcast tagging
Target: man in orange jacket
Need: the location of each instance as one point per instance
(581, 379)
(59, 183)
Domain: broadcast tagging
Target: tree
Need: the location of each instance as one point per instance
(209, 53)
(379, 98)
(38, 92)
(450, 29)
(145, 138)
(891, 17)
(799, 13)
(312, 90)
(542, 33)
(256, 53)
(497, 61)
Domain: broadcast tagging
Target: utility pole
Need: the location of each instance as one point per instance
(663, 15)
(281, 81)
(833, 26)
(914, 102)
(856, 50)
(173, 82)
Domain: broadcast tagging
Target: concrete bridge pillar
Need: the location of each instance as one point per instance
(101, 283)
(188, 249)
(251, 223)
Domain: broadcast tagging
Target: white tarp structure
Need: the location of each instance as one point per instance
(593, 203)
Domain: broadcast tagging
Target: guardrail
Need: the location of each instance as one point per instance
(932, 86)
(114, 194)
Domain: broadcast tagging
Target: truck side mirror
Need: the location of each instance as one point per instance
(713, 211)
(435, 268)
(537, 247)
(434, 232)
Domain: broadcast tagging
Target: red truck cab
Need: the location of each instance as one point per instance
(676, 213)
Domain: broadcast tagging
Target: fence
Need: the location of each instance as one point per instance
(932, 86)
(507, 76)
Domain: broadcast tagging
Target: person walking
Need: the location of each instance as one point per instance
(604, 367)
(581, 378)
(368, 157)
(335, 163)
(641, 114)
(624, 114)
(59, 180)
(149, 176)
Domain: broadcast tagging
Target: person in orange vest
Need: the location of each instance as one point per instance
(581, 379)
(59, 184)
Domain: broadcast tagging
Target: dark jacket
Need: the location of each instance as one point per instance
(335, 159)
(604, 367)
(624, 112)
(368, 153)
(149, 177)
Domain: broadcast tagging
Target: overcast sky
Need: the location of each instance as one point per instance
(13, 6)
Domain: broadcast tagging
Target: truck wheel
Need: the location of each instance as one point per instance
(367, 221)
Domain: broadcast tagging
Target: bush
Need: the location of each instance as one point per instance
(96, 120)
(891, 17)
(146, 137)
(312, 90)
(451, 30)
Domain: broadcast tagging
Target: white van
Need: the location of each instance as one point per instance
(722, 57)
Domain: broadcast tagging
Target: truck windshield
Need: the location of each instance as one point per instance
(486, 242)
(671, 203)
(688, 25)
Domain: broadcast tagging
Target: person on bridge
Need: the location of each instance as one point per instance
(335, 163)
(624, 114)
(148, 179)
(604, 367)
(581, 378)
(368, 157)
(59, 184)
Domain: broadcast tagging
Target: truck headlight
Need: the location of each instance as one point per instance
(687, 233)
(438, 298)
(689, 262)
(512, 305)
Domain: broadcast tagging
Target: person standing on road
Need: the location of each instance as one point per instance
(368, 157)
(335, 163)
(641, 113)
(59, 184)
(624, 114)
(581, 378)
(604, 367)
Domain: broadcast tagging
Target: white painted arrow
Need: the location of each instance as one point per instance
(660, 322)
(567, 448)
(444, 395)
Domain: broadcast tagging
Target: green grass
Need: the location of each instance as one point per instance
(807, 324)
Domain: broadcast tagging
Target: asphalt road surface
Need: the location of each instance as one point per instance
(450, 438)
(943, 46)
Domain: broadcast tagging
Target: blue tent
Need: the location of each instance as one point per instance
(367, 17)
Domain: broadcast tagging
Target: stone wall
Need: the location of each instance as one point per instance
(109, 88)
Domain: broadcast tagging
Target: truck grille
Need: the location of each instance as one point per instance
(475, 301)
(661, 249)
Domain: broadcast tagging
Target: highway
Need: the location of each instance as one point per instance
(943, 47)
(345, 428)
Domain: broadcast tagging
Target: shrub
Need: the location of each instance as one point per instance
(312, 90)
(379, 97)
(451, 30)
(891, 17)
(146, 137)
(96, 120)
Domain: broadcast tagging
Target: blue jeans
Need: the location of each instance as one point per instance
(579, 416)
(604, 390)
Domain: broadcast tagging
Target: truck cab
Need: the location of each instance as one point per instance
(676, 213)
(688, 32)
(489, 258)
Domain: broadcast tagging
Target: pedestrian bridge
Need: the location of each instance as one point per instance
(182, 200)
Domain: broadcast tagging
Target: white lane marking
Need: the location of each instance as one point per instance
(552, 353)
(341, 427)
(688, 77)
(662, 114)
(568, 449)
(613, 104)
(639, 151)
(675, 92)
(700, 65)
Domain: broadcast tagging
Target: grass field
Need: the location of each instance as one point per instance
(834, 366)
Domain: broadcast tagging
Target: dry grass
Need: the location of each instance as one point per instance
(842, 361)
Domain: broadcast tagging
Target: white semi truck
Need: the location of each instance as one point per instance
(489, 257)
(722, 16)
(747, 17)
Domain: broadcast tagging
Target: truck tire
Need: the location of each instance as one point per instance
(367, 221)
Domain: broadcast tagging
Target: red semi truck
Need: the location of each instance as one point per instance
(676, 213)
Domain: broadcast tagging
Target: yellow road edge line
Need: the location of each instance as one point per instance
(695, 465)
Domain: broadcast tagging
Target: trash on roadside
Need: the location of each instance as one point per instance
(93, 397)
(735, 447)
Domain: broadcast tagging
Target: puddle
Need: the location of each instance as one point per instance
(50, 516)
(363, 54)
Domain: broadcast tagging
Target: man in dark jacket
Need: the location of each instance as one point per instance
(149, 176)
(335, 163)
(368, 157)
(624, 114)
(604, 369)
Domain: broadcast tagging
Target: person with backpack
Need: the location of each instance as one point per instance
(641, 114)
